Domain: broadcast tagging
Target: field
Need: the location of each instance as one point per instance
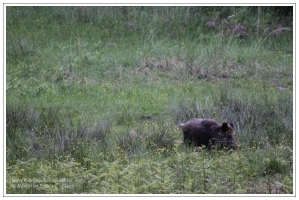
(79, 80)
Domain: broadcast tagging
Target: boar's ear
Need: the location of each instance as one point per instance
(231, 124)
(181, 125)
(224, 127)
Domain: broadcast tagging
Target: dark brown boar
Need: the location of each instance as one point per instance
(210, 133)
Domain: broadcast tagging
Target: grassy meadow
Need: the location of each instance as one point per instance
(79, 80)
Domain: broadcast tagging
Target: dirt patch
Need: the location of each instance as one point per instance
(176, 67)
(163, 65)
(222, 71)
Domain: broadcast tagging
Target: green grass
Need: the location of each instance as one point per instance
(79, 80)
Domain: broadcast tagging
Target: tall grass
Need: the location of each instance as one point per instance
(81, 80)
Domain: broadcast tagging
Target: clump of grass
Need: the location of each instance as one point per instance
(130, 143)
(160, 135)
(21, 47)
(18, 118)
(45, 134)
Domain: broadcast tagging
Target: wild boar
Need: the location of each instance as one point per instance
(210, 133)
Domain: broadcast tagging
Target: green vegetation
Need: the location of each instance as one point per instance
(80, 79)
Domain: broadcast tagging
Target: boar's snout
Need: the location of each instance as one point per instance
(233, 146)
